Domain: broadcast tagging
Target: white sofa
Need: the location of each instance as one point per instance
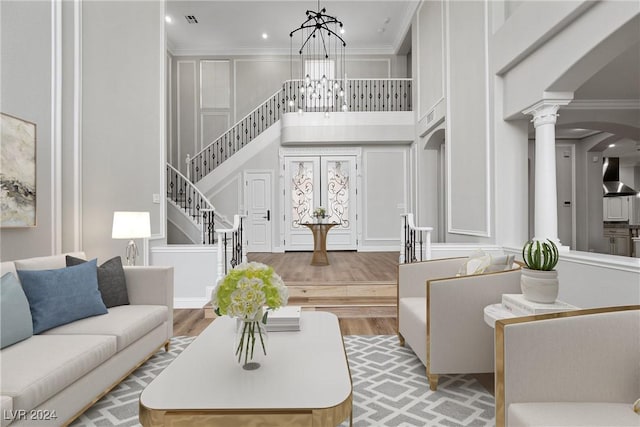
(441, 317)
(576, 368)
(63, 371)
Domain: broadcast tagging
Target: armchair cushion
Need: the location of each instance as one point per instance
(572, 414)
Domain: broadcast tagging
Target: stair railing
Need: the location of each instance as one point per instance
(240, 134)
(182, 193)
(415, 242)
(380, 95)
(232, 249)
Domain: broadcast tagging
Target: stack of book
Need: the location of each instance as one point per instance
(518, 305)
(284, 319)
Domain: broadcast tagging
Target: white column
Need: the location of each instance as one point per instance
(546, 195)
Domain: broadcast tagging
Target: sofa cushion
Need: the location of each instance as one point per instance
(127, 323)
(570, 414)
(50, 262)
(34, 370)
(111, 281)
(15, 316)
(57, 297)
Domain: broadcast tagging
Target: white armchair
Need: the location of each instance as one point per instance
(576, 368)
(440, 316)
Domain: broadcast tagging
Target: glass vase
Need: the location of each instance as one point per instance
(250, 344)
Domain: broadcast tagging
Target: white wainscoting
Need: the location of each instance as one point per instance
(590, 280)
(194, 268)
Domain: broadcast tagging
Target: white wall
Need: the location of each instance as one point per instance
(26, 92)
(123, 117)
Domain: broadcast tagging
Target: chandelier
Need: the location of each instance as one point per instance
(322, 62)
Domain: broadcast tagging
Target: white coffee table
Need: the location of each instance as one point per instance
(304, 381)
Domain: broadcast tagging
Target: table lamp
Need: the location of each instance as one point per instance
(131, 225)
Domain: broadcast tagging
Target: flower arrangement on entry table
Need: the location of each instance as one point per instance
(319, 212)
(243, 293)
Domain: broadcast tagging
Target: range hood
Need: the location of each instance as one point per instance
(611, 183)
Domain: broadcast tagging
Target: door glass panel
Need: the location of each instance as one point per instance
(301, 193)
(338, 192)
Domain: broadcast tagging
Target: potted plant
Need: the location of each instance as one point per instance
(319, 213)
(539, 280)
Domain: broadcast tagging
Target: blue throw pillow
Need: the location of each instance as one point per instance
(58, 297)
(15, 317)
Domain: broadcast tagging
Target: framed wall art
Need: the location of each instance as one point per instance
(17, 172)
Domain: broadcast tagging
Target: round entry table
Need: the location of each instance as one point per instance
(319, 231)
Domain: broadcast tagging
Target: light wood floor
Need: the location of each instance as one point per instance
(344, 266)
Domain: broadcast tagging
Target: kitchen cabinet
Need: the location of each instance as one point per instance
(619, 239)
(615, 208)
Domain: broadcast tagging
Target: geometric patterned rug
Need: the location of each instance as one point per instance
(390, 389)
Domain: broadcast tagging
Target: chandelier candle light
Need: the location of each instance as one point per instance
(322, 62)
(243, 293)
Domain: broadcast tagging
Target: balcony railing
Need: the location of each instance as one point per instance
(359, 95)
(415, 242)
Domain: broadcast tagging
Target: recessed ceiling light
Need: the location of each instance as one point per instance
(265, 36)
(612, 145)
(342, 30)
(168, 19)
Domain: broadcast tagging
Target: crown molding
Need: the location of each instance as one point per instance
(261, 51)
(603, 104)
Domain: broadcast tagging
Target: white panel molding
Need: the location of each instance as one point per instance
(195, 115)
(261, 51)
(211, 113)
(415, 51)
(403, 151)
(200, 82)
(235, 77)
(170, 104)
(448, 130)
(387, 60)
(56, 127)
(162, 141)
(77, 125)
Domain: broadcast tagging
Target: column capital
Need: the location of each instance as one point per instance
(545, 111)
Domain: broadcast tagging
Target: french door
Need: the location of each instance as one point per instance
(320, 181)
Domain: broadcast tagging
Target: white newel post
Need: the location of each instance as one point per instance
(220, 274)
(546, 199)
(188, 161)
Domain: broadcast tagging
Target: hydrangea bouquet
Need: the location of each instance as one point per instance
(243, 293)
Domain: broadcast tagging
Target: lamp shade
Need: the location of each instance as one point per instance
(131, 225)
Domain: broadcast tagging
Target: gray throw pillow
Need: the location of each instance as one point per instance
(58, 297)
(111, 281)
(15, 316)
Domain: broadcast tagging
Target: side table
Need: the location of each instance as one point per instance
(319, 231)
(503, 310)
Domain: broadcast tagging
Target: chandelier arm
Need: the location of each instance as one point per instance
(305, 42)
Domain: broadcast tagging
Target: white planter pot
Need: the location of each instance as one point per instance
(539, 286)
